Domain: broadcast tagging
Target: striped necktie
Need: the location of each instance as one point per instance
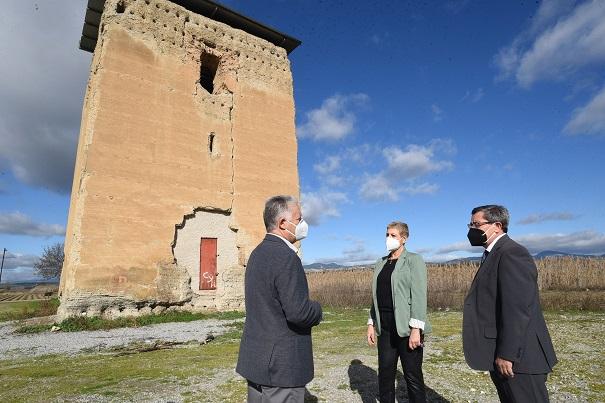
(485, 253)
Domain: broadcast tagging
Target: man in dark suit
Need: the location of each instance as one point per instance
(504, 331)
(276, 356)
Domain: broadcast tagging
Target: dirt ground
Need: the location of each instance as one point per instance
(345, 367)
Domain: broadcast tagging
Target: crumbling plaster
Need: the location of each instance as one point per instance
(144, 163)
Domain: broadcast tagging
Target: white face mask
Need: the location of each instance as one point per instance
(301, 231)
(392, 244)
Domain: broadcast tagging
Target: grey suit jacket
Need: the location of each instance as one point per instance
(275, 349)
(502, 313)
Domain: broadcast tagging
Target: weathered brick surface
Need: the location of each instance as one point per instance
(144, 166)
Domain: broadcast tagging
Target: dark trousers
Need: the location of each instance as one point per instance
(391, 347)
(521, 388)
(274, 394)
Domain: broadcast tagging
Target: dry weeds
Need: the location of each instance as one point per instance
(565, 283)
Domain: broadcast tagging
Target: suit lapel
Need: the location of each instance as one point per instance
(488, 262)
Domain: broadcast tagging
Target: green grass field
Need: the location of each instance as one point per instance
(27, 309)
(345, 367)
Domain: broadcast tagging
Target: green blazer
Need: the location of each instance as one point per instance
(408, 284)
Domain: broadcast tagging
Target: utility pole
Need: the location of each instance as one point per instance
(2, 265)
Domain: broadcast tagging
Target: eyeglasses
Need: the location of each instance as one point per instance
(476, 224)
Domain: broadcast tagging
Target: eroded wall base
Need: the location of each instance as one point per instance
(187, 123)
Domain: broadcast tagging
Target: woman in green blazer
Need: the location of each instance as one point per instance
(398, 319)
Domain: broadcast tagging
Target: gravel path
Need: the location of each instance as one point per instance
(14, 345)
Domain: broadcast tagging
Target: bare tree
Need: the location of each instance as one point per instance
(50, 264)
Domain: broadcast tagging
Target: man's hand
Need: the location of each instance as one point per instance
(505, 367)
(371, 336)
(414, 341)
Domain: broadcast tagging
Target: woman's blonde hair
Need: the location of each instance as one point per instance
(401, 227)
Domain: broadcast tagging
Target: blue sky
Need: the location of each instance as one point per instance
(405, 111)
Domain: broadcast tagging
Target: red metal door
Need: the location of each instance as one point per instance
(208, 264)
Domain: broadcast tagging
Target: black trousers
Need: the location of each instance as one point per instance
(521, 388)
(390, 348)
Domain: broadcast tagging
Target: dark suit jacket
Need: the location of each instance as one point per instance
(502, 313)
(275, 349)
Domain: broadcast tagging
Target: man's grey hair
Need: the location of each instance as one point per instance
(276, 208)
(494, 213)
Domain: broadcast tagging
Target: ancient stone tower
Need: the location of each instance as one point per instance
(187, 128)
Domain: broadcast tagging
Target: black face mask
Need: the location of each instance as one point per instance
(476, 237)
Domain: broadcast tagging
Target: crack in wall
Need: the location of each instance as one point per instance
(232, 151)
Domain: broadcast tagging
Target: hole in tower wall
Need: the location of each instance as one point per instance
(211, 142)
(120, 8)
(208, 67)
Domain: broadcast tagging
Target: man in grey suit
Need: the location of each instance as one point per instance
(276, 356)
(503, 329)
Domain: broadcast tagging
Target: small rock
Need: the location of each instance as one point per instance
(55, 329)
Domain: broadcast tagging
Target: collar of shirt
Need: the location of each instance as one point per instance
(286, 241)
(491, 245)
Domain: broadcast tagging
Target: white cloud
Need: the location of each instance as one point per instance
(590, 118)
(329, 165)
(334, 120)
(17, 223)
(590, 242)
(414, 161)
(437, 113)
(334, 180)
(404, 169)
(13, 261)
(355, 253)
(445, 257)
(360, 154)
(18, 267)
(463, 246)
(422, 188)
(473, 96)
(317, 205)
(541, 217)
(586, 242)
(343, 167)
(378, 188)
(42, 81)
(561, 41)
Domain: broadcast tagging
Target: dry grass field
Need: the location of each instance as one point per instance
(565, 283)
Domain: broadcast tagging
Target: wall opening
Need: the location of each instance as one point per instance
(120, 8)
(211, 142)
(205, 245)
(208, 67)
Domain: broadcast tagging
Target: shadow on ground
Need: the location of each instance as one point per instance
(364, 380)
(309, 398)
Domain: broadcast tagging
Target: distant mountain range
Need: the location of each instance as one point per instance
(554, 253)
(541, 255)
(322, 266)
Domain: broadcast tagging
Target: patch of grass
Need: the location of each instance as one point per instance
(19, 310)
(345, 366)
(159, 375)
(81, 323)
